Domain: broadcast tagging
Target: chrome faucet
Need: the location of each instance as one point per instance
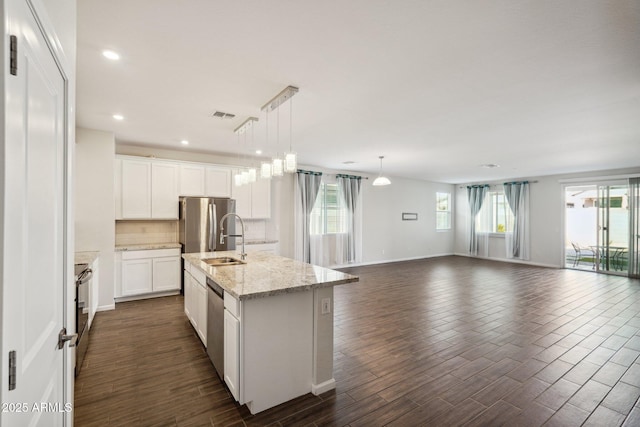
(243, 255)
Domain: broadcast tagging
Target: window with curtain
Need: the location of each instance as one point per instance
(329, 213)
(495, 215)
(443, 211)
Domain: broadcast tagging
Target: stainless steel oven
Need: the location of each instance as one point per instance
(83, 277)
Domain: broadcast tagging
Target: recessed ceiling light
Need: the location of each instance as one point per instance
(109, 54)
(489, 165)
(258, 152)
(184, 142)
(118, 116)
(348, 162)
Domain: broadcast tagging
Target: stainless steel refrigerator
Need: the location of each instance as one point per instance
(199, 224)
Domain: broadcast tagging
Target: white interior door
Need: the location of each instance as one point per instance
(34, 252)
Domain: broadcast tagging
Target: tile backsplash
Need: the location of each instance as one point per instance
(142, 232)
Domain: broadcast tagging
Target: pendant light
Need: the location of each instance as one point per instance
(381, 180)
(278, 164)
(287, 164)
(265, 167)
(290, 158)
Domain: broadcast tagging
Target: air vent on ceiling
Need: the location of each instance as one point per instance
(223, 115)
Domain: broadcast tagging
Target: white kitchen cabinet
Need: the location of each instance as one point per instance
(164, 190)
(136, 189)
(166, 273)
(253, 200)
(242, 196)
(261, 199)
(148, 272)
(232, 353)
(192, 177)
(188, 295)
(201, 303)
(217, 181)
(136, 276)
(195, 302)
(146, 189)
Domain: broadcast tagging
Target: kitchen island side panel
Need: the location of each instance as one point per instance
(277, 349)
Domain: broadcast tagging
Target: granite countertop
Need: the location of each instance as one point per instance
(85, 257)
(266, 274)
(147, 246)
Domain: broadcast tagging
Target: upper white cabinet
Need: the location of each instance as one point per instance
(146, 189)
(261, 199)
(164, 190)
(136, 189)
(217, 181)
(253, 200)
(150, 188)
(192, 178)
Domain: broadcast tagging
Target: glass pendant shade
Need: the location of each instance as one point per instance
(278, 167)
(237, 179)
(244, 176)
(265, 170)
(252, 174)
(381, 180)
(290, 162)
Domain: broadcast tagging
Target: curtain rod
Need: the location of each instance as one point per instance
(337, 175)
(496, 185)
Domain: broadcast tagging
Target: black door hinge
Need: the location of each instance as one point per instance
(13, 59)
(12, 370)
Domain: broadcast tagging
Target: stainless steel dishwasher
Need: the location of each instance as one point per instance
(215, 326)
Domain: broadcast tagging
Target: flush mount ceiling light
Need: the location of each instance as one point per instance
(184, 142)
(109, 54)
(381, 180)
(118, 117)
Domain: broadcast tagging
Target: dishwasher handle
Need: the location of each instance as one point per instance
(217, 289)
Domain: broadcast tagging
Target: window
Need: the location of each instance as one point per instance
(443, 211)
(495, 215)
(329, 214)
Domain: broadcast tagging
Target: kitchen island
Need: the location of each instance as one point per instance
(278, 325)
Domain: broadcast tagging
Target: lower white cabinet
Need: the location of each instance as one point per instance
(195, 302)
(137, 276)
(148, 271)
(232, 353)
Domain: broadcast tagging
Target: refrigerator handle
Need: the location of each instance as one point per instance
(212, 227)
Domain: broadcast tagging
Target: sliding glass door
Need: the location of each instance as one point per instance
(597, 227)
(612, 250)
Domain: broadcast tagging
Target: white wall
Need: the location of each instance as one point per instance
(95, 211)
(546, 215)
(386, 237)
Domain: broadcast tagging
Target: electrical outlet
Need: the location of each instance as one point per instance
(326, 305)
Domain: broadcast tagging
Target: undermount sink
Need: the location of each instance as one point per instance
(221, 261)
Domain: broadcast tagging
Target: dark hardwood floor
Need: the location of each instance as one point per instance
(443, 341)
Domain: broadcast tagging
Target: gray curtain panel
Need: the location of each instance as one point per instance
(308, 186)
(634, 227)
(517, 195)
(350, 190)
(475, 194)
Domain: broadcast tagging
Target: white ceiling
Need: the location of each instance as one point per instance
(439, 87)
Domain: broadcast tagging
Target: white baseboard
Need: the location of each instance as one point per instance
(146, 296)
(106, 307)
(512, 261)
(387, 261)
(323, 387)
